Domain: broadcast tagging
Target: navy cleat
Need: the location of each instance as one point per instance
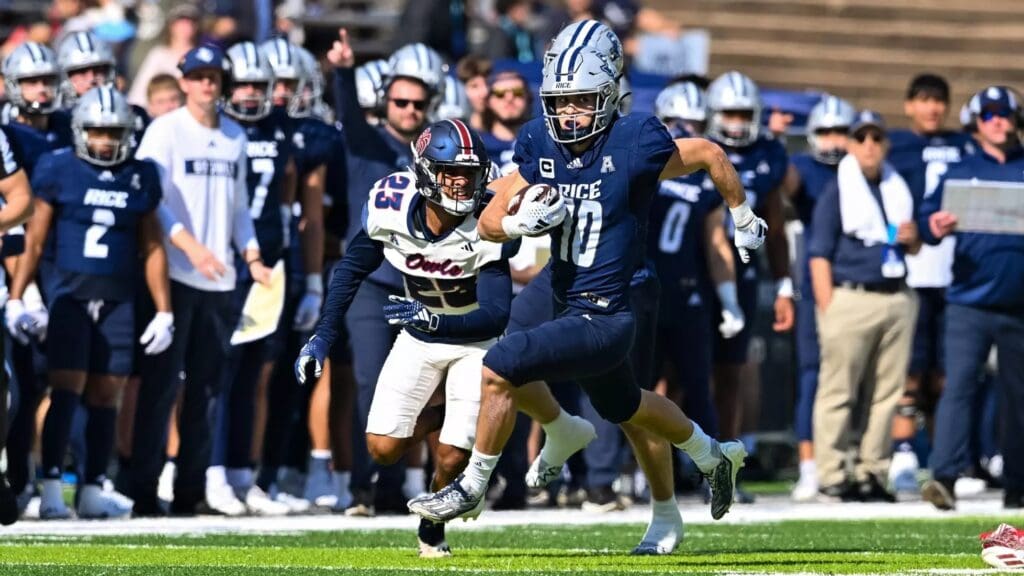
(447, 504)
(722, 479)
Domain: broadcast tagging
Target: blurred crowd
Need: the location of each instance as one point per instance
(894, 310)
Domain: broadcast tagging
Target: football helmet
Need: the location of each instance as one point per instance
(831, 113)
(310, 100)
(455, 103)
(450, 144)
(370, 84)
(32, 60)
(78, 51)
(102, 107)
(579, 71)
(682, 105)
(249, 65)
(288, 66)
(734, 92)
(593, 34)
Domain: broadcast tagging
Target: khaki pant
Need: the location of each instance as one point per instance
(865, 342)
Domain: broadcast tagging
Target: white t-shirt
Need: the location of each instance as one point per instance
(203, 174)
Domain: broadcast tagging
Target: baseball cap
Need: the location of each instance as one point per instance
(995, 98)
(865, 119)
(204, 58)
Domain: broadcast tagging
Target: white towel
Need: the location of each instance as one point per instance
(858, 210)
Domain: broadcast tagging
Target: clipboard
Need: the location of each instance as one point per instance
(262, 310)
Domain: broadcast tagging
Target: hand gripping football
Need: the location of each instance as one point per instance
(542, 193)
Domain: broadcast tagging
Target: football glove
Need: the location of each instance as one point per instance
(159, 334)
(534, 217)
(310, 364)
(410, 313)
(750, 230)
(24, 324)
(732, 315)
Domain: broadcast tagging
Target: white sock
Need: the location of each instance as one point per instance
(808, 470)
(478, 472)
(216, 476)
(415, 482)
(666, 526)
(558, 445)
(699, 448)
(239, 478)
(320, 457)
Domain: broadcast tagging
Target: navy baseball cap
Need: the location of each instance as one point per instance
(204, 58)
(867, 118)
(997, 99)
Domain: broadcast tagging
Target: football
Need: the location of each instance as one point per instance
(544, 193)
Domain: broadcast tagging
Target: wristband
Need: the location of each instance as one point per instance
(784, 287)
(742, 215)
(314, 284)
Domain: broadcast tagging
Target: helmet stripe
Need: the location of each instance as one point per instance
(251, 60)
(105, 104)
(576, 34)
(464, 138)
(34, 51)
(593, 30)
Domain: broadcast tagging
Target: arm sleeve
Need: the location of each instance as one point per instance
(525, 157)
(827, 225)
(926, 207)
(347, 105)
(362, 257)
(494, 294)
(242, 230)
(42, 181)
(654, 147)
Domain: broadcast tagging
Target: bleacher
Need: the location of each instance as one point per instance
(371, 24)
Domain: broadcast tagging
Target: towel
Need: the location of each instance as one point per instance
(860, 214)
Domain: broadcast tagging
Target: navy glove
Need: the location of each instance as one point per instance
(408, 312)
(310, 364)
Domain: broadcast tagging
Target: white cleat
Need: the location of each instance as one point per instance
(903, 473)
(663, 536)
(542, 472)
(442, 550)
(805, 490)
(259, 504)
(295, 504)
(95, 503)
(51, 502)
(165, 485)
(221, 499)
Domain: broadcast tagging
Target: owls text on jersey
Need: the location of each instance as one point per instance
(96, 218)
(608, 191)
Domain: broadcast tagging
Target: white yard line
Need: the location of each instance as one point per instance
(767, 509)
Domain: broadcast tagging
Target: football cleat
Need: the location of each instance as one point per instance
(1003, 548)
(431, 540)
(940, 494)
(722, 479)
(96, 503)
(447, 504)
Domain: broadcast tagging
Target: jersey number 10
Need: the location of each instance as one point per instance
(581, 232)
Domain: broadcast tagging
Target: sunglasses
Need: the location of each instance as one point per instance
(842, 131)
(988, 115)
(871, 134)
(403, 103)
(517, 92)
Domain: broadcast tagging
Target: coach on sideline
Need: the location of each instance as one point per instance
(201, 156)
(984, 306)
(863, 224)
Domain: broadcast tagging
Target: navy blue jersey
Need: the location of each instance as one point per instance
(335, 186)
(501, 152)
(30, 143)
(142, 121)
(814, 177)
(96, 214)
(608, 190)
(675, 240)
(269, 148)
(12, 159)
(922, 160)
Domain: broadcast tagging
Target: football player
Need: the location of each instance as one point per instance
(806, 178)
(734, 122)
(370, 88)
(606, 169)
(101, 203)
(32, 82)
(458, 291)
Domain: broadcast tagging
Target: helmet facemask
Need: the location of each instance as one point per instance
(600, 114)
(733, 132)
(456, 186)
(103, 145)
(17, 94)
(253, 105)
(824, 152)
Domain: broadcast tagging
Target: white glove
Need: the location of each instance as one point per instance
(534, 217)
(309, 307)
(732, 315)
(23, 324)
(750, 230)
(159, 333)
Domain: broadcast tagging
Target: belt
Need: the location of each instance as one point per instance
(887, 287)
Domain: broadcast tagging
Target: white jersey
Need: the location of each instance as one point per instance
(440, 274)
(203, 176)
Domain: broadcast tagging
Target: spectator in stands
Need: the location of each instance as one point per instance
(473, 71)
(163, 95)
(440, 24)
(180, 35)
(508, 108)
(515, 35)
(984, 306)
(863, 224)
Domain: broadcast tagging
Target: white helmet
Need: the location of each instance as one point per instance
(579, 70)
(590, 33)
(419, 62)
(685, 102)
(311, 99)
(455, 103)
(287, 63)
(734, 91)
(370, 84)
(102, 107)
(249, 65)
(80, 50)
(831, 113)
(31, 60)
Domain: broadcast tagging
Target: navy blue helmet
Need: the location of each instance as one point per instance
(451, 166)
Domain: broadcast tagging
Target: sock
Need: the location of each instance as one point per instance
(478, 472)
(808, 470)
(57, 431)
(319, 462)
(216, 476)
(99, 441)
(415, 482)
(666, 527)
(239, 478)
(558, 444)
(320, 455)
(699, 447)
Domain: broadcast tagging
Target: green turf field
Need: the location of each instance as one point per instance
(873, 547)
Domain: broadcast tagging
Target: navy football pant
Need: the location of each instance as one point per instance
(969, 334)
(808, 360)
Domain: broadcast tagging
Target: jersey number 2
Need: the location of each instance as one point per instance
(581, 233)
(102, 220)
